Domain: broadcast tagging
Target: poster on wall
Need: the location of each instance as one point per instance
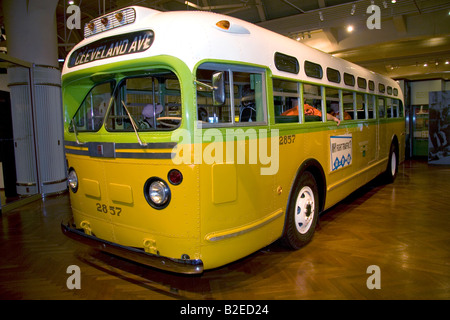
(439, 128)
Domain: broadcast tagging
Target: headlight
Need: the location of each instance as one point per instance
(73, 180)
(157, 193)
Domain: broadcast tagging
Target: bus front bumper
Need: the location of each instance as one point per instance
(134, 254)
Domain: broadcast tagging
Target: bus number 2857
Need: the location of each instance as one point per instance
(114, 211)
(286, 139)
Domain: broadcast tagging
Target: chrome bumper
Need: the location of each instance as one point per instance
(133, 254)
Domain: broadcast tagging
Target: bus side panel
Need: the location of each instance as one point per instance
(364, 164)
(315, 142)
(237, 205)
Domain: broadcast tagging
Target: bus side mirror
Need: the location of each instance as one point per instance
(218, 84)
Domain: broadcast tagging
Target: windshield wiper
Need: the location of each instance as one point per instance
(133, 124)
(76, 133)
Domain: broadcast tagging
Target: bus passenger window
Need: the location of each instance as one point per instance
(208, 110)
(347, 97)
(146, 103)
(90, 114)
(395, 108)
(244, 97)
(360, 106)
(390, 113)
(381, 108)
(285, 98)
(399, 105)
(332, 101)
(248, 97)
(312, 105)
(371, 106)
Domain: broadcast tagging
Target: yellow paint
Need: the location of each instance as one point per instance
(90, 187)
(223, 183)
(234, 232)
(120, 193)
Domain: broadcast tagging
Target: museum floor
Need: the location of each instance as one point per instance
(403, 228)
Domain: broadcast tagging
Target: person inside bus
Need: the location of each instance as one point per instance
(247, 109)
(335, 111)
(149, 112)
(309, 111)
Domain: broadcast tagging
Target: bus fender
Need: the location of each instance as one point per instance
(314, 167)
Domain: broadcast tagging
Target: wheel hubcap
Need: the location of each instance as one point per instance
(393, 164)
(304, 213)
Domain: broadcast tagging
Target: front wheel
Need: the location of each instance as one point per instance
(303, 212)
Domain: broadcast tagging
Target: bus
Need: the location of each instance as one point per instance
(194, 139)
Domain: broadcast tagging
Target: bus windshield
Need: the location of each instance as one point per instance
(90, 114)
(153, 101)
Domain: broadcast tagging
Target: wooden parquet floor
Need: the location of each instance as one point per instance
(403, 228)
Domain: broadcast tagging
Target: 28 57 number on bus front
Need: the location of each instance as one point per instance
(112, 210)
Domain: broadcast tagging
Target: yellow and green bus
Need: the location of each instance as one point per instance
(194, 139)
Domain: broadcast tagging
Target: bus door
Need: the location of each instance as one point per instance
(382, 134)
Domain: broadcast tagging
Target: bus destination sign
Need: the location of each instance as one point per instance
(114, 46)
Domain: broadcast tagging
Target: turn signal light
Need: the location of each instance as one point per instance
(104, 21)
(223, 24)
(119, 16)
(91, 26)
(175, 177)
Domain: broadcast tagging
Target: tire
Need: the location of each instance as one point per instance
(302, 213)
(392, 167)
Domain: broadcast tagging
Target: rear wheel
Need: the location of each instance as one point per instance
(392, 168)
(303, 212)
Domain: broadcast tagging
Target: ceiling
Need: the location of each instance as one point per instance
(412, 33)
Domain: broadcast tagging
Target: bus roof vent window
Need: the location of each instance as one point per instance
(110, 21)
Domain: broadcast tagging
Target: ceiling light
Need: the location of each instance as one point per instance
(393, 1)
(446, 62)
(190, 4)
(425, 64)
(350, 28)
(71, 2)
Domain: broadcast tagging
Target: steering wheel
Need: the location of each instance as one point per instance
(169, 121)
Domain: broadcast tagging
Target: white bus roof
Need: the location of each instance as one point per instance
(193, 36)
